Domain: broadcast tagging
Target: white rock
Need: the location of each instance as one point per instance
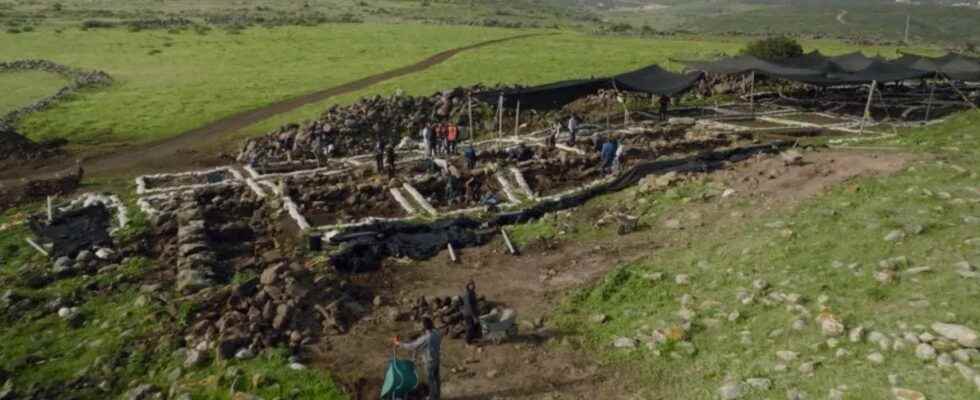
(876, 358)
(835, 394)
(927, 337)
(842, 353)
(624, 343)
(104, 253)
(297, 366)
(786, 355)
(966, 371)
(730, 391)
(966, 337)
(856, 334)
(945, 360)
(895, 236)
(759, 383)
(925, 352)
(907, 394)
(894, 379)
(682, 279)
(963, 355)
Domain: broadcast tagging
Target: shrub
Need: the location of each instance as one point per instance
(774, 48)
(96, 24)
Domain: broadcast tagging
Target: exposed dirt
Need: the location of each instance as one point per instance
(534, 282)
(184, 151)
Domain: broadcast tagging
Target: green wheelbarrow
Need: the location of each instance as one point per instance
(400, 379)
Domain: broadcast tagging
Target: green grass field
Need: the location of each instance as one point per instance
(169, 83)
(23, 88)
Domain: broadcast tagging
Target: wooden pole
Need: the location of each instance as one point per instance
(510, 246)
(50, 211)
(966, 99)
(867, 107)
(500, 116)
(908, 24)
(469, 112)
(452, 253)
(932, 92)
(517, 119)
(752, 95)
(37, 247)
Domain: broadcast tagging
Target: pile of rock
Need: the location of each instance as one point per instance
(286, 304)
(446, 312)
(354, 129)
(14, 146)
(196, 262)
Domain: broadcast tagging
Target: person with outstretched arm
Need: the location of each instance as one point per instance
(429, 343)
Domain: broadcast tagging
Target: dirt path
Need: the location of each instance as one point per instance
(182, 151)
(546, 363)
(840, 17)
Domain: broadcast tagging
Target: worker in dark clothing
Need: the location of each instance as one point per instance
(664, 105)
(430, 343)
(473, 187)
(608, 155)
(390, 156)
(470, 155)
(471, 313)
(379, 156)
(452, 186)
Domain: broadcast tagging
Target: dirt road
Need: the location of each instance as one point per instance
(840, 17)
(183, 151)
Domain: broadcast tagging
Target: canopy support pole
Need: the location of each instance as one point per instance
(469, 112)
(932, 92)
(752, 95)
(517, 119)
(966, 99)
(867, 107)
(500, 116)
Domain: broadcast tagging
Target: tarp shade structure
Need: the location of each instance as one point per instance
(656, 80)
(953, 66)
(552, 96)
(816, 69)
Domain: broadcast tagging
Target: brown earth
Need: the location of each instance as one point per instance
(535, 366)
(189, 150)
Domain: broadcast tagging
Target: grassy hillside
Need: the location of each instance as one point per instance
(752, 279)
(167, 83)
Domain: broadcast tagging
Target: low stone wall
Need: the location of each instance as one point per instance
(79, 79)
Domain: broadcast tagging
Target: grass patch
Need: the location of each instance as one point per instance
(836, 244)
(24, 88)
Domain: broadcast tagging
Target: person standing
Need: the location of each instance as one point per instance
(618, 158)
(470, 155)
(452, 133)
(430, 344)
(608, 153)
(390, 156)
(471, 313)
(379, 155)
(552, 139)
(664, 106)
(427, 140)
(572, 129)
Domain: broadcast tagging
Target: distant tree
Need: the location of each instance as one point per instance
(774, 48)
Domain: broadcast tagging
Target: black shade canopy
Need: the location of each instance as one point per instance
(554, 96)
(953, 66)
(816, 69)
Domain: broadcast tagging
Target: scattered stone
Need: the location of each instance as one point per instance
(296, 366)
(842, 353)
(104, 253)
(799, 325)
(759, 383)
(682, 279)
(600, 318)
(786, 355)
(195, 358)
(835, 394)
(624, 343)
(963, 355)
(830, 324)
(141, 392)
(730, 391)
(966, 337)
(945, 360)
(907, 394)
(894, 380)
(966, 371)
(245, 354)
(876, 358)
(895, 236)
(925, 352)
(807, 368)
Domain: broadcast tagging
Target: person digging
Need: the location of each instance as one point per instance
(390, 158)
(430, 344)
